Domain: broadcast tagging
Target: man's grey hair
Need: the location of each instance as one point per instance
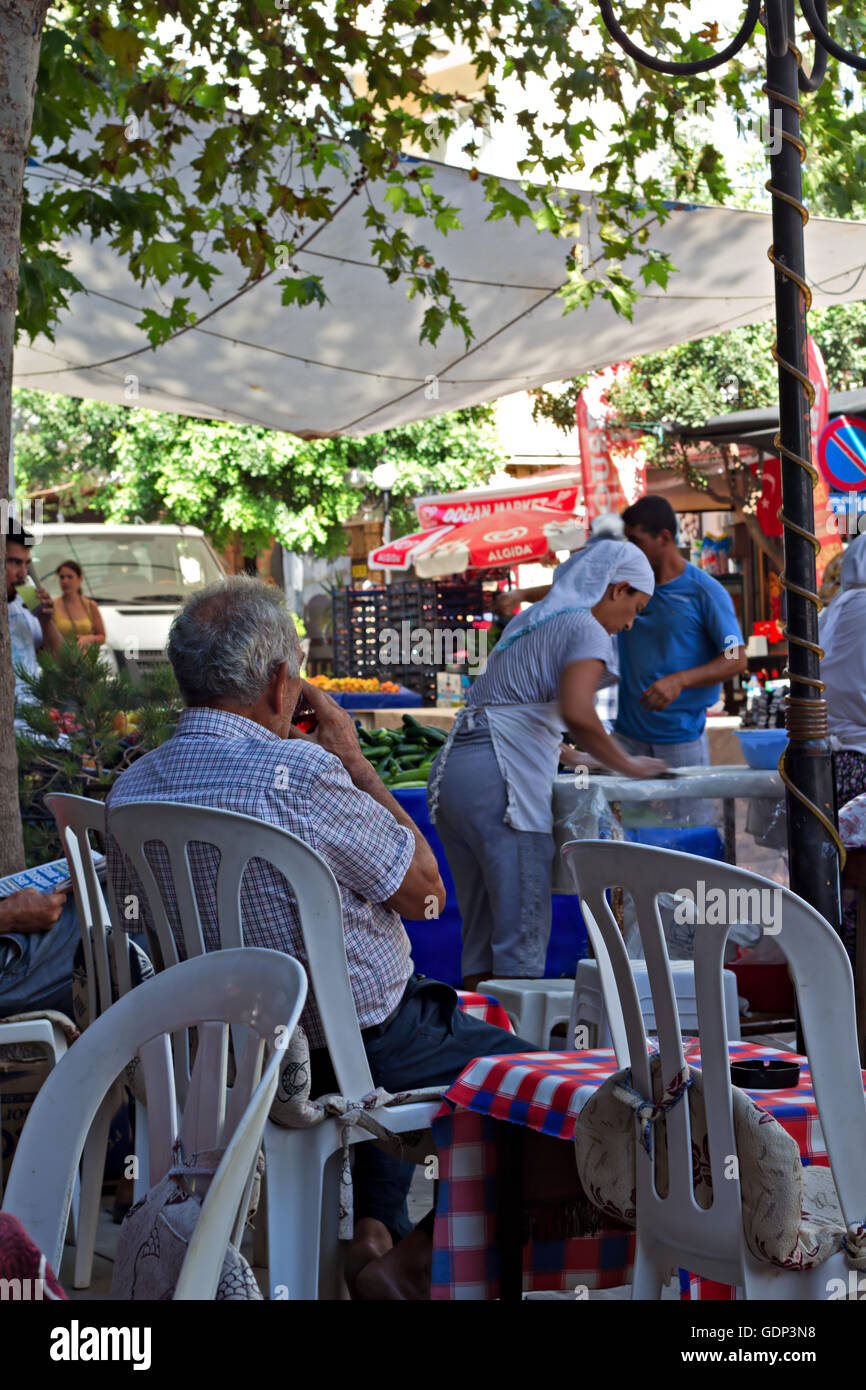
(226, 641)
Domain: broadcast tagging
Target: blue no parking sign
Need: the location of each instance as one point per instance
(842, 453)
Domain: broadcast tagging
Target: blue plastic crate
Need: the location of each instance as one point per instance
(690, 839)
(437, 944)
(375, 699)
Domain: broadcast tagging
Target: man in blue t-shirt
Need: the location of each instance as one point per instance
(684, 644)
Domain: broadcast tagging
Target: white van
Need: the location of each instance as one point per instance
(139, 575)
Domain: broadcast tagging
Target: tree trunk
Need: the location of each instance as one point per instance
(20, 36)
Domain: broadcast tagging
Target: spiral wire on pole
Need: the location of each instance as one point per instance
(805, 719)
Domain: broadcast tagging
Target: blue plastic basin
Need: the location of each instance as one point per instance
(762, 748)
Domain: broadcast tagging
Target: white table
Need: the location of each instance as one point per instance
(577, 807)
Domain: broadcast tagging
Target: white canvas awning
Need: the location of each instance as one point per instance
(356, 365)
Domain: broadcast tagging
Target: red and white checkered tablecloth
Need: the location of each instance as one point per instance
(546, 1091)
(485, 1007)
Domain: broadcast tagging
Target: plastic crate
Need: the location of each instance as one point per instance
(361, 615)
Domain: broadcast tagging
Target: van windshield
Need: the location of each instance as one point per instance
(128, 568)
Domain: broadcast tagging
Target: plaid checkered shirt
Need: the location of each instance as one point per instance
(225, 761)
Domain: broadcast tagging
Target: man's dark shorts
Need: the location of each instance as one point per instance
(427, 1042)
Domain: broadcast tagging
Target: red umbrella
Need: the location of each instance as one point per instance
(400, 554)
(513, 536)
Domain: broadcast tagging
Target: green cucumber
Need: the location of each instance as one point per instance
(411, 775)
(412, 726)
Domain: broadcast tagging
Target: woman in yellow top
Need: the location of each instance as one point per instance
(77, 618)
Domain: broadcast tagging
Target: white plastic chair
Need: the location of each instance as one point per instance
(79, 817)
(674, 1231)
(48, 1035)
(302, 1165)
(35, 1030)
(590, 1006)
(534, 1007)
(261, 992)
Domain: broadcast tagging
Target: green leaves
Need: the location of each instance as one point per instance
(657, 268)
(88, 756)
(161, 259)
(504, 203)
(301, 290)
(160, 327)
(270, 109)
(235, 481)
(44, 285)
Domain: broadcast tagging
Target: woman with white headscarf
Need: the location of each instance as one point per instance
(842, 634)
(491, 787)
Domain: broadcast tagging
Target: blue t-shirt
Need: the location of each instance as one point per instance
(687, 622)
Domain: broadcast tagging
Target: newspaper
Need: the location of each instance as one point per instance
(47, 878)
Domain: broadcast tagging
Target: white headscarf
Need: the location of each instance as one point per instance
(580, 582)
(607, 527)
(842, 634)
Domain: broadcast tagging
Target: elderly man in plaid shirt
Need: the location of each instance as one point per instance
(236, 657)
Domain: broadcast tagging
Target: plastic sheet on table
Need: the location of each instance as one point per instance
(588, 814)
(767, 823)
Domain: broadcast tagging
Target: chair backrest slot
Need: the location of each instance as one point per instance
(78, 817)
(156, 1066)
(204, 1110)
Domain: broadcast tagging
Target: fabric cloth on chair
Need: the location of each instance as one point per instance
(791, 1214)
(293, 1108)
(435, 1031)
(156, 1232)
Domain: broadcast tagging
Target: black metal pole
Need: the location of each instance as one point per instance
(808, 770)
(815, 850)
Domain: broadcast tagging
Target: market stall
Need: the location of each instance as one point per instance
(429, 628)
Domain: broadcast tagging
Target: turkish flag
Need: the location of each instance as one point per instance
(771, 495)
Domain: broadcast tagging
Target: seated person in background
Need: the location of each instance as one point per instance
(38, 937)
(236, 657)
